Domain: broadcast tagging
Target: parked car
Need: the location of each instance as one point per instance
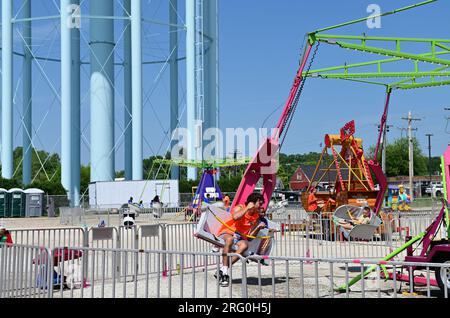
(436, 190)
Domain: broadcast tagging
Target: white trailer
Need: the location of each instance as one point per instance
(108, 195)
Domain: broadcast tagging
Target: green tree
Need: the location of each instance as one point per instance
(85, 178)
(49, 187)
(397, 158)
(9, 184)
(44, 166)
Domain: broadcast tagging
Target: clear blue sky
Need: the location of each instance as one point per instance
(259, 52)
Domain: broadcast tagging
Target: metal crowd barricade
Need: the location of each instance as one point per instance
(179, 237)
(63, 272)
(25, 271)
(159, 280)
(144, 237)
(308, 236)
(321, 237)
(289, 277)
(50, 237)
(104, 238)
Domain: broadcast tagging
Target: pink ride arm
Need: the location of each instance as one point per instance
(383, 123)
(382, 181)
(264, 164)
(447, 172)
(374, 165)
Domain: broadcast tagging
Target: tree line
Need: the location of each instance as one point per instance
(46, 169)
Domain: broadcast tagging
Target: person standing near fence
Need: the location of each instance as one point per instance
(5, 236)
(244, 218)
(226, 202)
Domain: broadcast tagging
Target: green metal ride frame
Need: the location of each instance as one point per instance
(205, 164)
(440, 48)
(418, 75)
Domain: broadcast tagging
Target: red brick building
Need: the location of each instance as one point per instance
(302, 177)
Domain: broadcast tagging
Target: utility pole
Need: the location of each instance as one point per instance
(410, 119)
(387, 129)
(429, 155)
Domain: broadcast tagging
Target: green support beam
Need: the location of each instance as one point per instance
(420, 85)
(382, 51)
(365, 38)
(377, 63)
(410, 78)
(206, 164)
(383, 75)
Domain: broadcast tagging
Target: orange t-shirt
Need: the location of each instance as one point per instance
(242, 226)
(312, 202)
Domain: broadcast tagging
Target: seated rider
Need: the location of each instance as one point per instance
(316, 205)
(364, 218)
(265, 242)
(236, 230)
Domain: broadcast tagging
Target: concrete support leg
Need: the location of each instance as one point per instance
(7, 90)
(70, 100)
(102, 91)
(190, 85)
(211, 68)
(76, 121)
(173, 20)
(27, 100)
(127, 93)
(136, 73)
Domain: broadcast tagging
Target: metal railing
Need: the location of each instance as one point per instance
(25, 271)
(50, 237)
(79, 272)
(310, 236)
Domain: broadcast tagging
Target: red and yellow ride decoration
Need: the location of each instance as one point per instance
(353, 182)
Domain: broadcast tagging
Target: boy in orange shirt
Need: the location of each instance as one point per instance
(245, 219)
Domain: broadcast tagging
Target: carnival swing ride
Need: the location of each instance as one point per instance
(419, 75)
